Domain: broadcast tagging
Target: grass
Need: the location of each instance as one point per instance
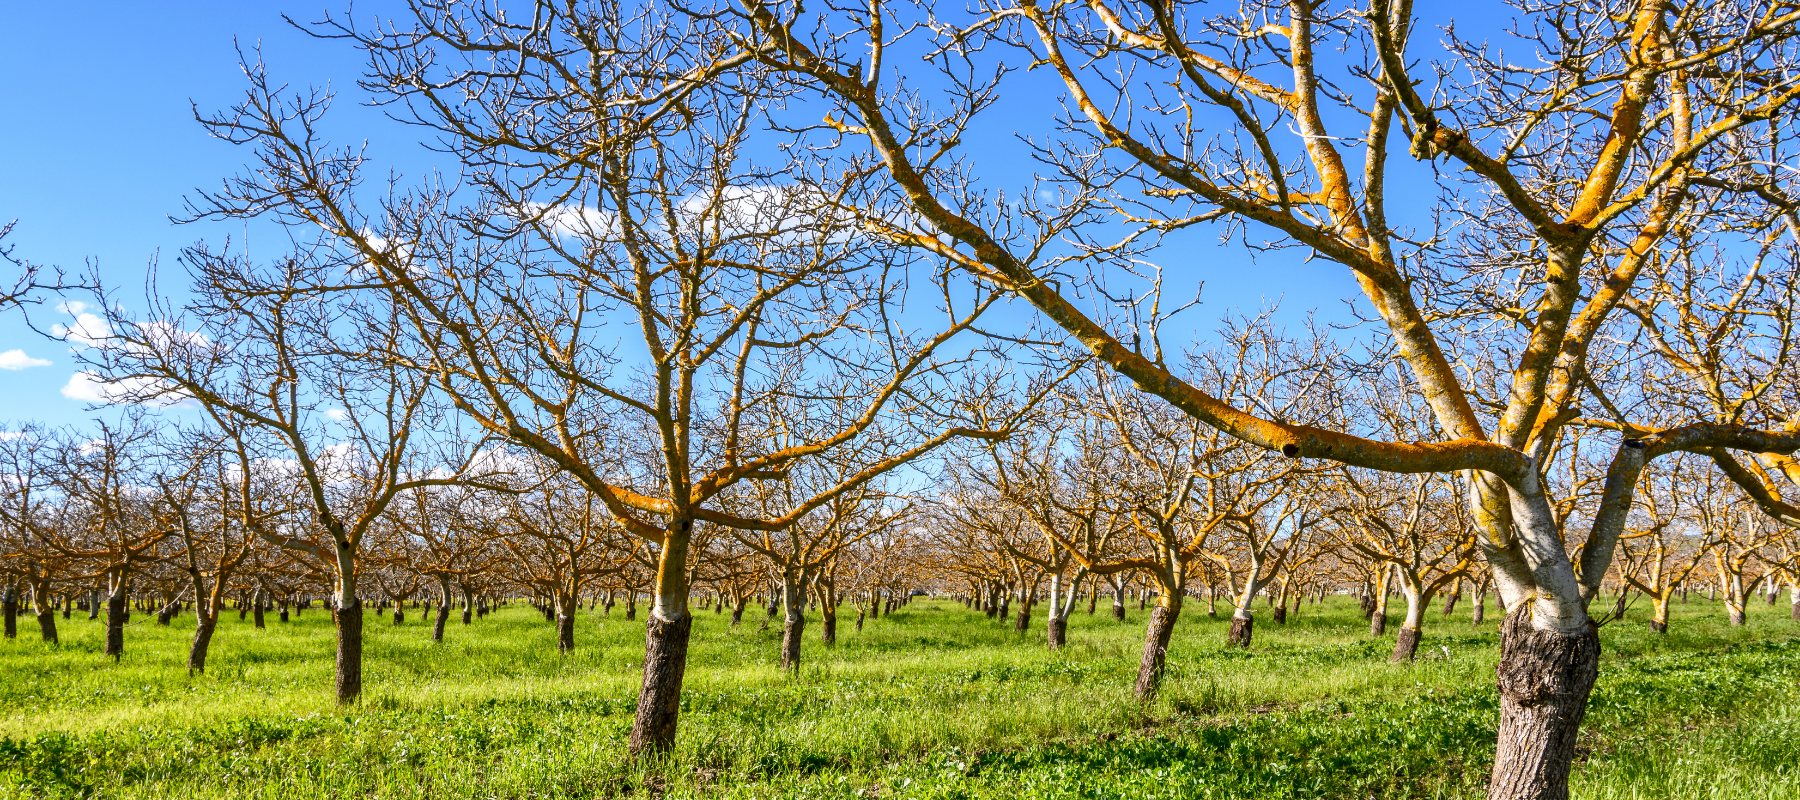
(931, 702)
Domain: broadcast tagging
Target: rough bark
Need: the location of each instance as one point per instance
(1406, 642)
(9, 607)
(659, 701)
(1406, 645)
(793, 623)
(203, 633)
(116, 614)
(1659, 617)
(1544, 678)
(1056, 631)
(565, 631)
(46, 617)
(1156, 646)
(1243, 628)
(828, 624)
(349, 619)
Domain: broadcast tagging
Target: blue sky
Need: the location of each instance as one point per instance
(101, 147)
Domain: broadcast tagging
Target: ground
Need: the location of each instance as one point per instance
(934, 701)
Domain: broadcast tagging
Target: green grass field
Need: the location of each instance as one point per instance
(931, 702)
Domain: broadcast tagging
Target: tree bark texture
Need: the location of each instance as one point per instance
(565, 631)
(203, 633)
(659, 701)
(1156, 648)
(1406, 645)
(9, 607)
(1243, 629)
(116, 614)
(349, 619)
(1544, 678)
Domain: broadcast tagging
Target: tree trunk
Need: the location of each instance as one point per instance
(737, 610)
(443, 609)
(1659, 617)
(793, 623)
(349, 619)
(1406, 643)
(1243, 628)
(1734, 600)
(1480, 611)
(9, 607)
(666, 637)
(1378, 617)
(1544, 678)
(1156, 644)
(468, 615)
(828, 623)
(257, 612)
(860, 613)
(206, 621)
(1056, 630)
(1118, 601)
(44, 603)
(565, 625)
(1794, 601)
(659, 701)
(46, 617)
(116, 614)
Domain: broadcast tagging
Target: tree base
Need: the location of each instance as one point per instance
(1242, 629)
(349, 621)
(1156, 651)
(1544, 678)
(659, 701)
(1406, 645)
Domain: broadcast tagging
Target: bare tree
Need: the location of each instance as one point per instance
(1178, 116)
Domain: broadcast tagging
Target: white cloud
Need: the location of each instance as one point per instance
(337, 414)
(71, 307)
(89, 387)
(573, 220)
(16, 359)
(89, 330)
